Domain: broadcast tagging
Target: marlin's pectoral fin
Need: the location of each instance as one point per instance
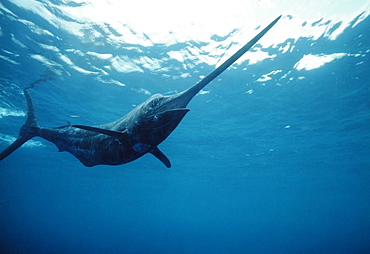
(116, 134)
(160, 156)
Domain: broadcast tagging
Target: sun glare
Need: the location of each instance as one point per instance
(170, 22)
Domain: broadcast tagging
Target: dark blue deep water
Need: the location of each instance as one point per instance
(274, 156)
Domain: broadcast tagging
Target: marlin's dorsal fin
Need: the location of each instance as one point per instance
(160, 156)
(116, 134)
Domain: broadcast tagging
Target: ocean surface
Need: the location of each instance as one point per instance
(274, 156)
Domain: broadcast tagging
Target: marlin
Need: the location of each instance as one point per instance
(130, 137)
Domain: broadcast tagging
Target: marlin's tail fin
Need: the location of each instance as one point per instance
(29, 129)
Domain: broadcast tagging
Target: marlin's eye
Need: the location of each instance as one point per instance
(155, 102)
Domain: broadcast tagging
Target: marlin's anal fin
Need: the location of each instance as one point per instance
(160, 156)
(116, 134)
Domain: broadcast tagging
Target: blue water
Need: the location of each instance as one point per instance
(278, 165)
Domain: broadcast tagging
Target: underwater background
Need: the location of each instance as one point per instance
(274, 156)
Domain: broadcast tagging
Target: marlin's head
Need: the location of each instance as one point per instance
(161, 103)
(158, 116)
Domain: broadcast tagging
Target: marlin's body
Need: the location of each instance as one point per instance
(130, 137)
